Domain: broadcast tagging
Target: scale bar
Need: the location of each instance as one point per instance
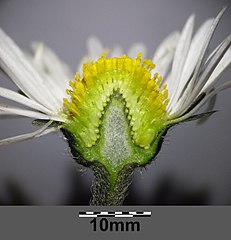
(89, 214)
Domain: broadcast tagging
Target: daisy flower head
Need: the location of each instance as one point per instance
(116, 110)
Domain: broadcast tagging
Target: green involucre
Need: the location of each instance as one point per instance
(114, 148)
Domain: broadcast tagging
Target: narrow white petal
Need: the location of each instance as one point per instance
(167, 79)
(203, 101)
(192, 58)
(208, 70)
(117, 51)
(10, 110)
(3, 113)
(210, 106)
(195, 50)
(6, 114)
(41, 62)
(19, 69)
(52, 66)
(23, 112)
(94, 47)
(49, 82)
(208, 38)
(188, 96)
(218, 71)
(164, 64)
(40, 132)
(167, 45)
(9, 94)
(58, 90)
(213, 52)
(137, 48)
(181, 55)
(211, 65)
(164, 54)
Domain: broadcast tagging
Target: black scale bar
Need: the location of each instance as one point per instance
(114, 214)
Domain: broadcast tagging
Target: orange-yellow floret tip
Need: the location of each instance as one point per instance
(145, 100)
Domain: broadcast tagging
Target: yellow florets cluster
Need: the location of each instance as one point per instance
(145, 100)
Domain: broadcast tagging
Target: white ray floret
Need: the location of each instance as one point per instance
(180, 56)
(14, 96)
(137, 48)
(37, 83)
(19, 69)
(192, 74)
(164, 54)
(40, 132)
(95, 49)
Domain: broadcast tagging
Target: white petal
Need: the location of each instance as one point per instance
(207, 71)
(49, 82)
(211, 65)
(117, 51)
(164, 54)
(210, 106)
(192, 59)
(213, 52)
(203, 101)
(163, 65)
(15, 64)
(7, 115)
(137, 48)
(167, 79)
(219, 70)
(208, 38)
(94, 47)
(188, 96)
(52, 65)
(167, 45)
(180, 56)
(40, 132)
(4, 113)
(41, 63)
(6, 93)
(23, 112)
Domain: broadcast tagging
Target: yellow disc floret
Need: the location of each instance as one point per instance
(131, 79)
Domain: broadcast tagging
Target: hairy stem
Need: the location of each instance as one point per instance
(106, 194)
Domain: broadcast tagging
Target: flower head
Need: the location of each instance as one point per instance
(116, 111)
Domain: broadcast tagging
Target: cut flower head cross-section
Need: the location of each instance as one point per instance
(116, 111)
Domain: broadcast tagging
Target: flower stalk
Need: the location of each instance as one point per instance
(106, 193)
